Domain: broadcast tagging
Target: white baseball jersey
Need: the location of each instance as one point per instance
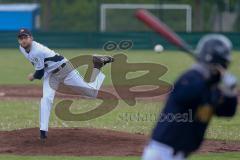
(42, 57)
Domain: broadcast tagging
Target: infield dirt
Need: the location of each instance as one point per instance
(81, 141)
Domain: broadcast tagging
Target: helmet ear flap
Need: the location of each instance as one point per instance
(208, 58)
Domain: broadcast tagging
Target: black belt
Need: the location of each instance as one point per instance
(59, 68)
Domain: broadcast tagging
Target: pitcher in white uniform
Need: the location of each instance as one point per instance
(47, 63)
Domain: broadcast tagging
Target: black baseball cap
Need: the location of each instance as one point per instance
(24, 32)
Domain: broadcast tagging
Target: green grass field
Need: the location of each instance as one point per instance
(213, 156)
(16, 114)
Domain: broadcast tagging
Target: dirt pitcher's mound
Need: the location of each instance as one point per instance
(74, 142)
(88, 142)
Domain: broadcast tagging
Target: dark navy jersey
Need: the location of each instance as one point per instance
(188, 110)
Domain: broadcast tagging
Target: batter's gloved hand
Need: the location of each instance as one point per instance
(214, 77)
(228, 84)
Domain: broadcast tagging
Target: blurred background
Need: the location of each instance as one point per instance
(81, 27)
(90, 23)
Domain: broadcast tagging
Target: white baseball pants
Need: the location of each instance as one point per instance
(158, 151)
(71, 79)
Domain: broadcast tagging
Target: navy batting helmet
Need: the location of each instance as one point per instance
(214, 49)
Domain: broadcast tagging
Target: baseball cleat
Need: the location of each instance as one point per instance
(43, 136)
(100, 61)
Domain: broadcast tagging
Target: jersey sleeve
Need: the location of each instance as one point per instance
(38, 62)
(20, 49)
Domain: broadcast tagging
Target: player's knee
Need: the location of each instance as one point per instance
(91, 93)
(47, 99)
(94, 95)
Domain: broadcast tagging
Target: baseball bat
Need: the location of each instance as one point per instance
(158, 26)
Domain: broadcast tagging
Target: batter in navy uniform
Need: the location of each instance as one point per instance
(206, 89)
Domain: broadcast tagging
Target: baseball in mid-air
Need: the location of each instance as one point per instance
(158, 48)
